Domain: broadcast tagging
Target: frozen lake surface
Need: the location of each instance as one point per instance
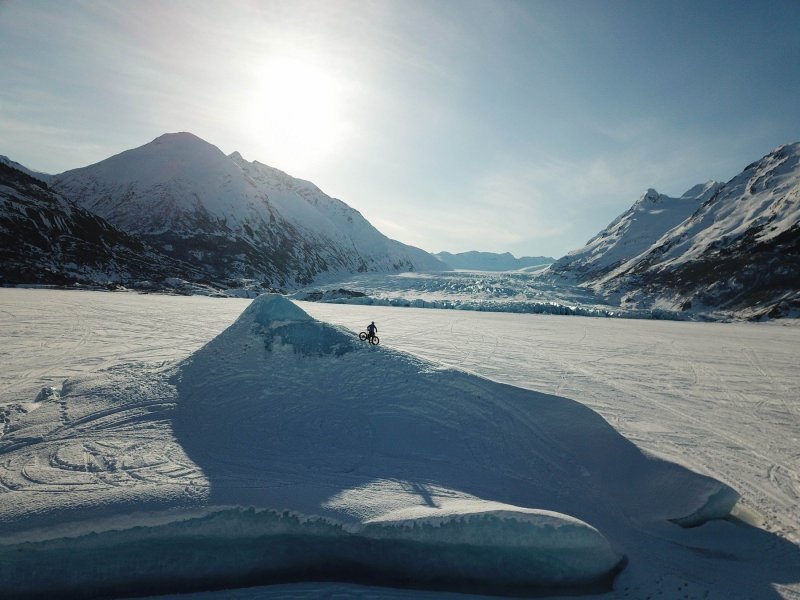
(721, 399)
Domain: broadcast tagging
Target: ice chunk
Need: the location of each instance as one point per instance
(278, 322)
(504, 551)
(48, 393)
(719, 505)
(545, 548)
(273, 309)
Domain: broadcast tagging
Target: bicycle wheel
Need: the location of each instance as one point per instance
(375, 340)
(362, 336)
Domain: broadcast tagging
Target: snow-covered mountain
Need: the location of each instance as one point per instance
(633, 232)
(491, 261)
(234, 218)
(46, 239)
(738, 251)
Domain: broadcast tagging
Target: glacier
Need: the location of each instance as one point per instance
(509, 292)
(286, 450)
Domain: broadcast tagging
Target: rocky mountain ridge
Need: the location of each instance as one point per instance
(46, 239)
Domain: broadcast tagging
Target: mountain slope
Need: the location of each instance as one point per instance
(45, 239)
(233, 218)
(44, 177)
(738, 252)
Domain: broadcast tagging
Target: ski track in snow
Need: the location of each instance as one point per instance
(722, 399)
(66, 335)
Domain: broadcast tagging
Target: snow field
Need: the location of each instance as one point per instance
(709, 561)
(243, 421)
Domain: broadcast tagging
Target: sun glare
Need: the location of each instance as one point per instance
(296, 112)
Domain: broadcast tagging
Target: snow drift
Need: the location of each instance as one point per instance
(358, 463)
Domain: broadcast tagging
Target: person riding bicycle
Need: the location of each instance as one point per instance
(371, 330)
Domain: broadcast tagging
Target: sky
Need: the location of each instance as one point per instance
(452, 125)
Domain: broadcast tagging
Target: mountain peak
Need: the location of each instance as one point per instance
(730, 246)
(181, 143)
(158, 164)
(178, 137)
(651, 196)
(15, 165)
(491, 261)
(779, 154)
(793, 148)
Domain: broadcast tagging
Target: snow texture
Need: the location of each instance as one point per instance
(360, 463)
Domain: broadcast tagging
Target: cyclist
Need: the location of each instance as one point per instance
(371, 330)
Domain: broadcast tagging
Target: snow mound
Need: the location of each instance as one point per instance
(360, 463)
(356, 433)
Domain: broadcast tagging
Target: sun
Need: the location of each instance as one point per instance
(295, 110)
